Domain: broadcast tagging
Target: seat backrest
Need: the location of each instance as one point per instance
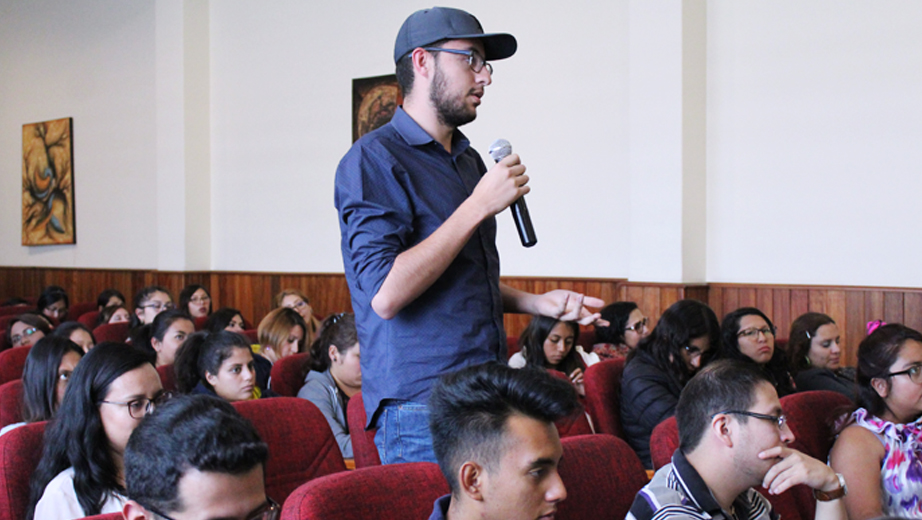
(586, 339)
(602, 382)
(663, 442)
(512, 346)
(89, 319)
(12, 362)
(301, 443)
(364, 451)
(288, 373)
(576, 424)
(393, 492)
(200, 322)
(167, 377)
(117, 332)
(812, 416)
(252, 335)
(602, 474)
(15, 310)
(11, 402)
(20, 452)
(107, 516)
(75, 311)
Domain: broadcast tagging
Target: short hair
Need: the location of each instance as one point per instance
(221, 318)
(185, 296)
(876, 354)
(338, 330)
(722, 385)
(199, 432)
(616, 314)
(533, 338)
(205, 352)
(405, 74)
(469, 410)
(801, 337)
(102, 301)
(273, 330)
(50, 295)
(40, 377)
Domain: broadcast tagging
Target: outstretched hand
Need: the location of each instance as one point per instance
(570, 306)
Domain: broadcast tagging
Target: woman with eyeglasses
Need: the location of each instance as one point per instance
(816, 356)
(626, 327)
(336, 375)
(148, 303)
(48, 369)
(26, 329)
(217, 363)
(297, 300)
(551, 344)
(53, 303)
(81, 472)
(660, 366)
(879, 451)
(749, 335)
(195, 300)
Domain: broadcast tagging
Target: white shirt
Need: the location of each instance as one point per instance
(59, 501)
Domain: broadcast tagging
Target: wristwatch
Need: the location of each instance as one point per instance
(835, 494)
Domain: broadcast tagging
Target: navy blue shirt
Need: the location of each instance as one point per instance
(394, 188)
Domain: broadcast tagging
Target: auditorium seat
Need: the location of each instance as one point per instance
(602, 382)
(364, 451)
(288, 373)
(167, 377)
(11, 402)
(586, 339)
(602, 474)
(108, 516)
(301, 443)
(15, 310)
(20, 452)
(200, 323)
(811, 417)
(12, 362)
(75, 311)
(89, 319)
(663, 442)
(512, 346)
(252, 335)
(117, 332)
(393, 492)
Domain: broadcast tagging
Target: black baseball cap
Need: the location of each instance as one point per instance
(428, 26)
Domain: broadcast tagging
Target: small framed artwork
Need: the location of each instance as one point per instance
(374, 101)
(48, 183)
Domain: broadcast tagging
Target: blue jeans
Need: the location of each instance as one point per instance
(403, 433)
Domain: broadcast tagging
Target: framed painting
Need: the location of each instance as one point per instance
(374, 101)
(48, 183)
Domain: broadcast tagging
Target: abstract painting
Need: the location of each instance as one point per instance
(374, 101)
(48, 183)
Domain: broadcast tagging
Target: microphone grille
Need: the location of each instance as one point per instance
(500, 149)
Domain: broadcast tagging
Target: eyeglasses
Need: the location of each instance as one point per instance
(754, 333)
(694, 351)
(157, 306)
(203, 299)
(780, 420)
(138, 408)
(637, 327)
(270, 510)
(914, 373)
(17, 339)
(474, 59)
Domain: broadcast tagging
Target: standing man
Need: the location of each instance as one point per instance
(416, 211)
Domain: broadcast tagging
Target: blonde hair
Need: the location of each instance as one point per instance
(310, 332)
(274, 328)
(289, 292)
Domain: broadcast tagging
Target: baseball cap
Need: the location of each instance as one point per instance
(440, 23)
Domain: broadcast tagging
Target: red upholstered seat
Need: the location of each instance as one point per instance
(394, 492)
(364, 451)
(20, 451)
(89, 319)
(11, 402)
(117, 332)
(288, 373)
(252, 335)
(12, 362)
(576, 424)
(167, 377)
(586, 339)
(200, 322)
(301, 443)
(75, 311)
(512, 346)
(663, 442)
(812, 416)
(15, 310)
(109, 516)
(603, 395)
(602, 474)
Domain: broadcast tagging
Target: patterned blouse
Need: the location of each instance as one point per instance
(610, 351)
(901, 469)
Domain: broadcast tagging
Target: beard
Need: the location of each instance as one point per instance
(451, 111)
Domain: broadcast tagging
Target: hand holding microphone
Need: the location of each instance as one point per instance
(499, 150)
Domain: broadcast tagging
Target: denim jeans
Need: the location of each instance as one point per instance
(403, 433)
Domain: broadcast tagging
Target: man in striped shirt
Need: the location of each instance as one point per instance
(733, 437)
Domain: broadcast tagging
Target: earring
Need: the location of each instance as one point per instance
(808, 360)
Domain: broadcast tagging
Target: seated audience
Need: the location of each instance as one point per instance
(195, 300)
(732, 438)
(816, 356)
(626, 327)
(81, 471)
(551, 344)
(880, 449)
(113, 314)
(148, 303)
(27, 329)
(281, 333)
(217, 363)
(76, 332)
(109, 297)
(196, 457)
(657, 370)
(297, 300)
(53, 303)
(748, 335)
(227, 319)
(166, 334)
(335, 375)
(48, 368)
(495, 441)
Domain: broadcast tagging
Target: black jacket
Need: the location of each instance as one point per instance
(648, 396)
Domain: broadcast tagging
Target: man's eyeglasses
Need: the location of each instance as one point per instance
(17, 339)
(754, 333)
(780, 420)
(270, 510)
(474, 59)
(157, 306)
(138, 408)
(637, 327)
(914, 373)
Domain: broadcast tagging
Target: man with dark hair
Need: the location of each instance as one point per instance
(732, 437)
(196, 457)
(494, 437)
(416, 212)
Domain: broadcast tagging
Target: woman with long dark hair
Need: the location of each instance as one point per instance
(551, 344)
(816, 356)
(27, 329)
(53, 303)
(195, 300)
(748, 335)
(81, 472)
(626, 327)
(225, 318)
(76, 332)
(165, 335)
(217, 363)
(148, 303)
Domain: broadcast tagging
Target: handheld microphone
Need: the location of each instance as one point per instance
(498, 151)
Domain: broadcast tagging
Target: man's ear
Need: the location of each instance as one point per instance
(422, 62)
(722, 429)
(471, 480)
(134, 511)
